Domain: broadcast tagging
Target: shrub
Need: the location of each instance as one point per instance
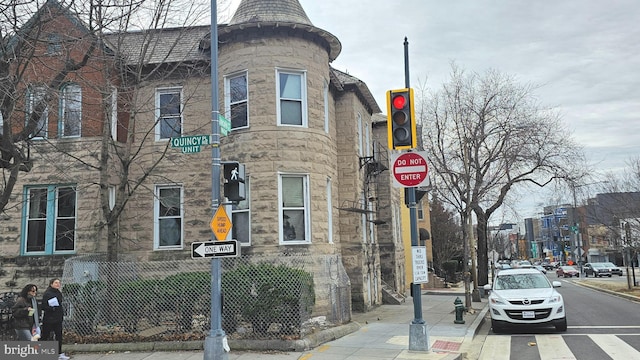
(450, 267)
(267, 294)
(85, 301)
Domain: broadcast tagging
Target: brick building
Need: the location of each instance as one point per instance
(104, 179)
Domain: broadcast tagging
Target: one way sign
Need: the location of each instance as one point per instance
(208, 249)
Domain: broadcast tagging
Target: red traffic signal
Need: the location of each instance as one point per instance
(401, 125)
(399, 102)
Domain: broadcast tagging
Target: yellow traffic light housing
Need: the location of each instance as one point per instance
(401, 122)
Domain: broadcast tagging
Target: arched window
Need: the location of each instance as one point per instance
(71, 106)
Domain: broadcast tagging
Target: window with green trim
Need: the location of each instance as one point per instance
(49, 224)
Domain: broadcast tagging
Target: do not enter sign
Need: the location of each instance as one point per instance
(409, 169)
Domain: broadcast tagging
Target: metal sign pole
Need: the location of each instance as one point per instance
(214, 345)
(418, 331)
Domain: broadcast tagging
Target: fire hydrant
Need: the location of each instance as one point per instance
(459, 311)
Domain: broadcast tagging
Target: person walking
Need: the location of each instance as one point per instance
(53, 315)
(25, 314)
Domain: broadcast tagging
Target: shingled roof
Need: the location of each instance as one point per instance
(158, 46)
(344, 81)
(288, 11)
(261, 15)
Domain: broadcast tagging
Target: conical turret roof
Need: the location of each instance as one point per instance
(289, 11)
(260, 15)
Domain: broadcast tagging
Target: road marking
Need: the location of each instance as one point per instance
(553, 347)
(496, 347)
(604, 327)
(615, 347)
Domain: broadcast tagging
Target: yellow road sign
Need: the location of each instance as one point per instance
(220, 224)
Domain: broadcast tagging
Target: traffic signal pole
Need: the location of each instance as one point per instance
(215, 343)
(418, 331)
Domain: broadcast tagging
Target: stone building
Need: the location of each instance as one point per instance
(317, 183)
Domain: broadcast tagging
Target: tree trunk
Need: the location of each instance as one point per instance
(483, 261)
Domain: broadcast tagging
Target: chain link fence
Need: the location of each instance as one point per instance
(277, 297)
(7, 300)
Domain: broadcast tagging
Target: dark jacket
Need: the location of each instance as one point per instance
(20, 312)
(52, 314)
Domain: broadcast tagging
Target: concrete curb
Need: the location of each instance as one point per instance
(472, 332)
(307, 343)
(618, 294)
(476, 324)
(139, 346)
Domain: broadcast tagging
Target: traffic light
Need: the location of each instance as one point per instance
(233, 173)
(401, 122)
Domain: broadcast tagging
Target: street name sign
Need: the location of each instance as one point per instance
(207, 249)
(225, 125)
(409, 169)
(190, 144)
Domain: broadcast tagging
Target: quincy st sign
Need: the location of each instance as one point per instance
(190, 144)
(409, 169)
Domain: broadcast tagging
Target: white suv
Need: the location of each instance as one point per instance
(525, 297)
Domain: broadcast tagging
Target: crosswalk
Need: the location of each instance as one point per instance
(561, 347)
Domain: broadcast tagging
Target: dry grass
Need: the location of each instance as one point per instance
(621, 287)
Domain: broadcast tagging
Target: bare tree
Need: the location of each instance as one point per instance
(446, 234)
(485, 134)
(132, 45)
(23, 32)
(141, 58)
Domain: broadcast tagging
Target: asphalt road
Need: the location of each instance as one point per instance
(600, 327)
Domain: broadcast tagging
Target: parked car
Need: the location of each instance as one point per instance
(521, 264)
(596, 269)
(567, 271)
(525, 297)
(615, 270)
(540, 268)
(549, 266)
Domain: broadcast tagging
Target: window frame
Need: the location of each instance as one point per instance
(52, 219)
(306, 208)
(157, 218)
(64, 110)
(302, 100)
(113, 101)
(111, 190)
(33, 94)
(159, 116)
(325, 97)
(329, 210)
(54, 44)
(228, 103)
(360, 131)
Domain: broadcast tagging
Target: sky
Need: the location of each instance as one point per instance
(583, 54)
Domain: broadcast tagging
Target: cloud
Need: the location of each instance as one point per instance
(584, 54)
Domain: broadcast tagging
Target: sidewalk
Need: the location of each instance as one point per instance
(379, 334)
